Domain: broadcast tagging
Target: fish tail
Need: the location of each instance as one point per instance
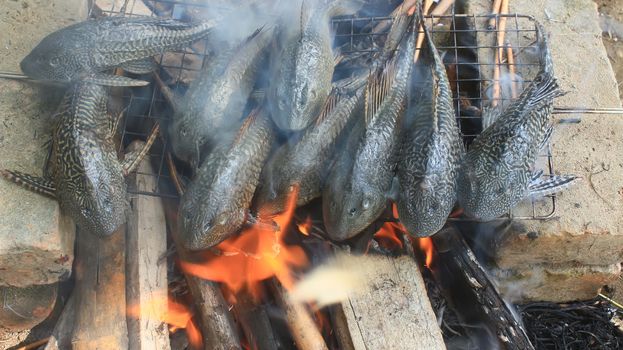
(547, 65)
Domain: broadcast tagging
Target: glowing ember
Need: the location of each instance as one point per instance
(387, 235)
(258, 253)
(426, 245)
(178, 316)
(306, 226)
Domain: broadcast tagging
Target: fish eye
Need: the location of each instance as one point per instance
(55, 61)
(281, 103)
(365, 204)
(291, 188)
(352, 211)
(183, 131)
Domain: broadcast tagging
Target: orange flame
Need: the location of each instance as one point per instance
(387, 235)
(426, 245)
(258, 253)
(178, 316)
(305, 226)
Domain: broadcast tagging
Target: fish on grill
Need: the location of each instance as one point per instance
(302, 65)
(213, 106)
(358, 194)
(302, 165)
(498, 170)
(84, 173)
(217, 202)
(431, 148)
(84, 50)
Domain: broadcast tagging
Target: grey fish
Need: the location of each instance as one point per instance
(214, 104)
(431, 149)
(83, 50)
(498, 170)
(84, 174)
(217, 201)
(302, 69)
(303, 164)
(353, 201)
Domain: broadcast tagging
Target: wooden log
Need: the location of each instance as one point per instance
(146, 282)
(255, 324)
(461, 264)
(395, 313)
(302, 327)
(61, 334)
(100, 292)
(217, 325)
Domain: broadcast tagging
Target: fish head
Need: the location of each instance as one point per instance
(487, 195)
(184, 141)
(347, 213)
(204, 223)
(302, 83)
(428, 206)
(55, 58)
(101, 206)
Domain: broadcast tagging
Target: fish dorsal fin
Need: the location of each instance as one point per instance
(250, 119)
(378, 87)
(329, 106)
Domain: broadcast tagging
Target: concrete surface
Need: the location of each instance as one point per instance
(36, 242)
(24, 308)
(587, 227)
(556, 283)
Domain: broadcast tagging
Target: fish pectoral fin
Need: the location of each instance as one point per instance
(489, 116)
(394, 190)
(555, 183)
(133, 159)
(142, 66)
(547, 136)
(113, 80)
(37, 184)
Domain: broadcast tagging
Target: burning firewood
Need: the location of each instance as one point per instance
(100, 319)
(393, 313)
(301, 325)
(461, 263)
(146, 274)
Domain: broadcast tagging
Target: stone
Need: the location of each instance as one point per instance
(24, 308)
(36, 241)
(555, 283)
(586, 226)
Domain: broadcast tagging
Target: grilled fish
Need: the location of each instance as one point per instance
(85, 49)
(498, 170)
(218, 200)
(302, 165)
(302, 68)
(431, 148)
(84, 174)
(214, 104)
(353, 201)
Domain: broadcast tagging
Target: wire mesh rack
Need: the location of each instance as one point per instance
(469, 47)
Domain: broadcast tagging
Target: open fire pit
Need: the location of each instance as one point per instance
(281, 282)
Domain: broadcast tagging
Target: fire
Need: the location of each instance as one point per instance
(178, 316)
(426, 245)
(258, 253)
(387, 235)
(305, 226)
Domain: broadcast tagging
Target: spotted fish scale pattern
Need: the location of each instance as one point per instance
(431, 148)
(83, 173)
(499, 164)
(94, 45)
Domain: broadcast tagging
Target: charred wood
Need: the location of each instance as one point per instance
(461, 269)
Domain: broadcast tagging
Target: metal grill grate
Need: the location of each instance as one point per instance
(469, 49)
